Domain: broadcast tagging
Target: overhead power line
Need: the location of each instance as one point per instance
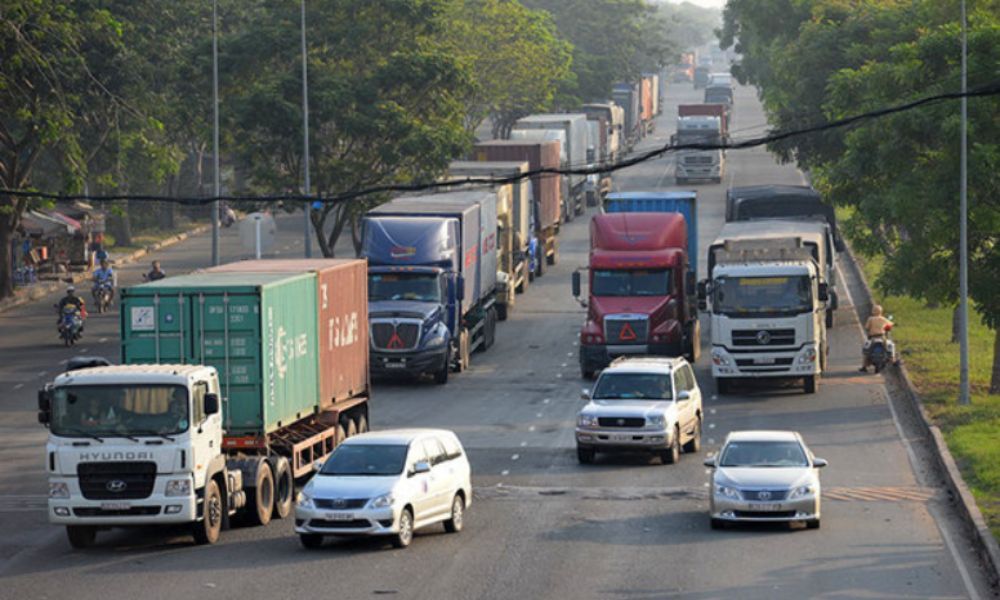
(990, 89)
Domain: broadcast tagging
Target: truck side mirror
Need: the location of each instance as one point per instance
(702, 291)
(834, 301)
(460, 288)
(211, 404)
(44, 406)
(824, 292)
(576, 284)
(690, 282)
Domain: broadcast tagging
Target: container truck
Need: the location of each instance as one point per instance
(700, 124)
(641, 297)
(432, 271)
(575, 127)
(545, 190)
(646, 104)
(228, 391)
(767, 302)
(544, 135)
(614, 117)
(515, 235)
(598, 184)
(629, 97)
(781, 201)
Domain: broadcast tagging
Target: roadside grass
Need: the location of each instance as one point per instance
(145, 238)
(923, 337)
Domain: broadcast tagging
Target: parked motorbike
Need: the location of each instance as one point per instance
(70, 325)
(882, 351)
(104, 294)
(227, 216)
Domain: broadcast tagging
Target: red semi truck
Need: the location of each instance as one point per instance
(641, 297)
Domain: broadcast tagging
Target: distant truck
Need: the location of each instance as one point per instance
(647, 104)
(700, 124)
(432, 272)
(701, 75)
(767, 301)
(232, 385)
(545, 190)
(629, 97)
(781, 201)
(515, 228)
(642, 290)
(574, 125)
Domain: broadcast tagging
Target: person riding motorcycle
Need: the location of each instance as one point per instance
(104, 275)
(156, 274)
(875, 328)
(73, 301)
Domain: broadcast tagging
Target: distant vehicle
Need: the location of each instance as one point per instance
(719, 94)
(388, 483)
(765, 476)
(701, 77)
(700, 124)
(641, 404)
(720, 80)
(747, 203)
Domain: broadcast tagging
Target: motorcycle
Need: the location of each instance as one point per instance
(70, 325)
(227, 216)
(882, 351)
(103, 296)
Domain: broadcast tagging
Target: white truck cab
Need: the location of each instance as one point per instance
(699, 164)
(768, 304)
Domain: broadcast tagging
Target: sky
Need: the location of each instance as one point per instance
(705, 3)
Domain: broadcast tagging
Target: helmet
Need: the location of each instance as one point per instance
(71, 289)
(876, 310)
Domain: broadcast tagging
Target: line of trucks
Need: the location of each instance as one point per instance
(769, 290)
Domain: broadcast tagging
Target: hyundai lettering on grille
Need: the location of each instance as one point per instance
(116, 485)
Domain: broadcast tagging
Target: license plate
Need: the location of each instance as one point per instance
(766, 507)
(115, 506)
(765, 360)
(339, 517)
(620, 437)
(395, 365)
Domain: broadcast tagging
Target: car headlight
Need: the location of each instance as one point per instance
(728, 492)
(304, 500)
(655, 421)
(178, 487)
(800, 492)
(382, 501)
(809, 356)
(586, 421)
(719, 358)
(58, 490)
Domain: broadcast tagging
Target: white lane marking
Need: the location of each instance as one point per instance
(711, 411)
(531, 428)
(546, 401)
(81, 351)
(102, 340)
(564, 365)
(711, 425)
(569, 354)
(43, 373)
(523, 444)
(558, 375)
(505, 472)
(18, 386)
(705, 484)
(515, 456)
(714, 397)
(64, 361)
(711, 440)
(538, 415)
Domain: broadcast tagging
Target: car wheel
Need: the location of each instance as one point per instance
(694, 444)
(457, 520)
(718, 524)
(672, 455)
(311, 540)
(812, 524)
(810, 384)
(585, 455)
(586, 374)
(554, 258)
(207, 530)
(81, 536)
(404, 536)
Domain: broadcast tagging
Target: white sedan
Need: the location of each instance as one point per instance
(388, 483)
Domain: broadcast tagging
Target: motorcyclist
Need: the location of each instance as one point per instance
(73, 301)
(875, 328)
(157, 273)
(104, 275)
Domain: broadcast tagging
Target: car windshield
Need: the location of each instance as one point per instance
(633, 386)
(763, 454)
(655, 282)
(419, 287)
(119, 410)
(366, 460)
(763, 296)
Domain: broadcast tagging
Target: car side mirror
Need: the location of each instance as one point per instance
(317, 465)
(421, 467)
(819, 463)
(576, 284)
(683, 395)
(824, 292)
(710, 462)
(585, 395)
(211, 404)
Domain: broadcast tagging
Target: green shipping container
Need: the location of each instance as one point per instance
(257, 329)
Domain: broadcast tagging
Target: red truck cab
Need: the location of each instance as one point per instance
(639, 299)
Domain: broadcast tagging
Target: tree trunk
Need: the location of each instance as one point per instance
(6, 274)
(995, 377)
(356, 234)
(956, 323)
(120, 227)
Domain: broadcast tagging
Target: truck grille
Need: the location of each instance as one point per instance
(697, 160)
(749, 362)
(116, 480)
(340, 503)
(399, 335)
(135, 511)
(625, 331)
(763, 337)
(628, 422)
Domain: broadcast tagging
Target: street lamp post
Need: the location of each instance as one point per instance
(963, 229)
(307, 185)
(215, 131)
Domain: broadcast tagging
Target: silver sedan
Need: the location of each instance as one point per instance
(765, 476)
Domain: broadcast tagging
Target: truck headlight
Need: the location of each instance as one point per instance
(586, 421)
(655, 421)
(304, 500)
(383, 501)
(809, 356)
(58, 490)
(728, 492)
(719, 358)
(178, 487)
(435, 342)
(800, 492)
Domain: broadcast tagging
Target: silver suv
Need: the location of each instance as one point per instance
(651, 404)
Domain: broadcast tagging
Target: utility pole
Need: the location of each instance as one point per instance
(215, 132)
(307, 185)
(963, 229)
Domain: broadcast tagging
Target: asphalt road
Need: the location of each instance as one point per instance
(541, 526)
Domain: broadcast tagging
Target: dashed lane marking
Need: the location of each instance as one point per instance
(102, 341)
(23, 503)
(18, 386)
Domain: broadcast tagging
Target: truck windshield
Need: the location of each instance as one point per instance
(418, 287)
(763, 296)
(633, 386)
(655, 282)
(698, 136)
(119, 410)
(361, 460)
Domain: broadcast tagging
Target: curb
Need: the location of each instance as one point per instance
(984, 544)
(41, 290)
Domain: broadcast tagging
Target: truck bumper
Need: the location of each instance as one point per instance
(707, 172)
(597, 357)
(397, 364)
(155, 509)
(801, 363)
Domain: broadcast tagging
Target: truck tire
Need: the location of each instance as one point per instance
(260, 499)
(553, 258)
(722, 386)
(523, 287)
(284, 487)
(81, 536)
(809, 384)
(341, 433)
(489, 330)
(540, 261)
(363, 422)
(568, 212)
(692, 342)
(441, 375)
(350, 427)
(502, 312)
(829, 319)
(208, 529)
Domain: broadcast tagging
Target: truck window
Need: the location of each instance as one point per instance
(652, 282)
(198, 403)
(418, 287)
(770, 296)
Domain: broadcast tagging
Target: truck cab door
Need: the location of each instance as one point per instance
(206, 434)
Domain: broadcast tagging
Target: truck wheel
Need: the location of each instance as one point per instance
(311, 540)
(260, 500)
(490, 329)
(692, 342)
(523, 286)
(466, 355)
(829, 319)
(586, 374)
(81, 536)
(585, 455)
(540, 262)
(502, 312)
(553, 258)
(568, 212)
(722, 386)
(363, 422)
(207, 530)
(809, 384)
(350, 427)
(341, 433)
(284, 487)
(441, 376)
